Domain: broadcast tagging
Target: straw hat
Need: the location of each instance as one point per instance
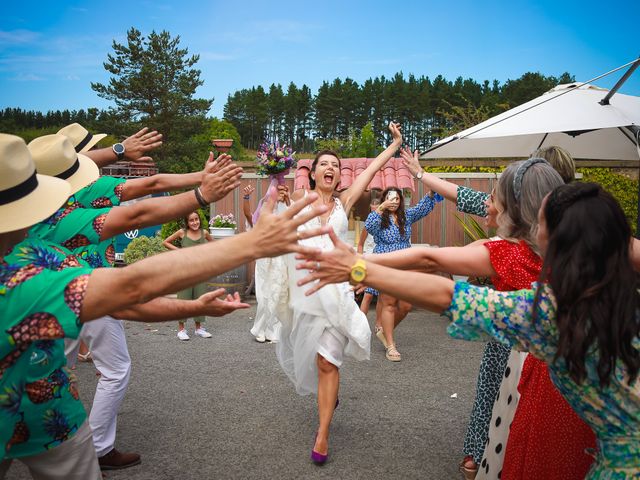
(25, 197)
(82, 140)
(55, 156)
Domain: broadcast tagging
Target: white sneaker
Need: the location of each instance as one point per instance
(201, 332)
(260, 339)
(182, 335)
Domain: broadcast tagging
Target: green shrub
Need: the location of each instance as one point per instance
(143, 247)
(623, 188)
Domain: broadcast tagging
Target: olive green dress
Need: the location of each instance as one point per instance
(196, 291)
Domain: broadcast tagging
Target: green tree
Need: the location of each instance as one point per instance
(222, 129)
(154, 81)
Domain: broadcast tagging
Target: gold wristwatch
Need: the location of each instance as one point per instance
(358, 272)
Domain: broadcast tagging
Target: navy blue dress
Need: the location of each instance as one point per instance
(389, 239)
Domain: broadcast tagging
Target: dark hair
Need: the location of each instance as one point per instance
(185, 219)
(588, 267)
(400, 213)
(312, 182)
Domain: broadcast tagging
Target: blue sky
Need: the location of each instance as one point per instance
(51, 51)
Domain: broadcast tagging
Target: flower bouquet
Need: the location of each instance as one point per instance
(223, 225)
(276, 161)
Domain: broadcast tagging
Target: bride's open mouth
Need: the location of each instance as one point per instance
(328, 178)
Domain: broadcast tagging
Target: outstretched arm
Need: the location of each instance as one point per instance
(162, 182)
(112, 289)
(221, 176)
(470, 260)
(213, 304)
(246, 203)
(447, 189)
(135, 148)
(351, 195)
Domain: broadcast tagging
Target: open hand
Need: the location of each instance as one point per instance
(277, 234)
(216, 304)
(220, 177)
(410, 160)
(140, 143)
(327, 267)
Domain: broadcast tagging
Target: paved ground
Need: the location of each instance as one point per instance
(222, 409)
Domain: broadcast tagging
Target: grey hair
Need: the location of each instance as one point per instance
(518, 217)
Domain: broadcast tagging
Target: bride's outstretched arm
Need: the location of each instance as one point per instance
(351, 195)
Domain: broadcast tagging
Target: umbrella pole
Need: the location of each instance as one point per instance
(616, 87)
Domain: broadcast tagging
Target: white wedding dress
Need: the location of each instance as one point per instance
(328, 322)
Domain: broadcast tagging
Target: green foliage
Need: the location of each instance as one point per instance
(357, 145)
(623, 188)
(153, 81)
(461, 169)
(472, 228)
(142, 247)
(221, 129)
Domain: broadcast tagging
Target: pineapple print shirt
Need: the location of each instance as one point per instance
(613, 412)
(104, 192)
(39, 403)
(78, 229)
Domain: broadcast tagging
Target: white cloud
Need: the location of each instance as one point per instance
(27, 77)
(15, 37)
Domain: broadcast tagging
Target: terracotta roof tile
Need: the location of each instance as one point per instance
(394, 174)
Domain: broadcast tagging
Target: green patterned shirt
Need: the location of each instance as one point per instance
(40, 301)
(104, 192)
(471, 201)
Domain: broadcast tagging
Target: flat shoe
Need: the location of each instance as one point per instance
(392, 354)
(381, 337)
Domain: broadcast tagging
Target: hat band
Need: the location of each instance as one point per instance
(84, 142)
(19, 191)
(70, 171)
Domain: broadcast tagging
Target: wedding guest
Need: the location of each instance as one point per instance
(190, 236)
(44, 424)
(390, 226)
(581, 319)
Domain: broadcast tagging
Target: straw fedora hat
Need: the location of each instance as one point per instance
(82, 140)
(26, 198)
(55, 156)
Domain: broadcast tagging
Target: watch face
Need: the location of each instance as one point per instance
(118, 148)
(358, 274)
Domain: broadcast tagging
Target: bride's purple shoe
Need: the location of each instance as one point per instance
(318, 458)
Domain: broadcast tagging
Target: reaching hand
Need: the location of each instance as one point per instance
(383, 206)
(248, 190)
(278, 234)
(140, 143)
(410, 161)
(327, 267)
(220, 177)
(214, 303)
(396, 134)
(283, 194)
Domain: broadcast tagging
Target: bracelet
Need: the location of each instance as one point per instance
(247, 197)
(203, 203)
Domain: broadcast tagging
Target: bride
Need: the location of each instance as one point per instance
(318, 332)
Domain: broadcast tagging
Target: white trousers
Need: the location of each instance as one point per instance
(74, 459)
(107, 342)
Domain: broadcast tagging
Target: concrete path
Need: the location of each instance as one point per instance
(221, 408)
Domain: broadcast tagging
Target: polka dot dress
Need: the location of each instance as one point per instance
(516, 267)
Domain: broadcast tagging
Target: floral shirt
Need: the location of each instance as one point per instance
(78, 229)
(613, 412)
(471, 201)
(104, 192)
(389, 239)
(40, 302)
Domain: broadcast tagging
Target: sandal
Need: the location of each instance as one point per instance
(468, 472)
(85, 358)
(381, 337)
(393, 355)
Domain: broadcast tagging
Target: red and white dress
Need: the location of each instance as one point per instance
(534, 433)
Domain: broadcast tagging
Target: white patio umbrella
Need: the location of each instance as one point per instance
(569, 116)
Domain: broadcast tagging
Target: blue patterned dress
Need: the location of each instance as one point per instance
(613, 412)
(389, 239)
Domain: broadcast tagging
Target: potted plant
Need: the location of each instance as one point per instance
(222, 226)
